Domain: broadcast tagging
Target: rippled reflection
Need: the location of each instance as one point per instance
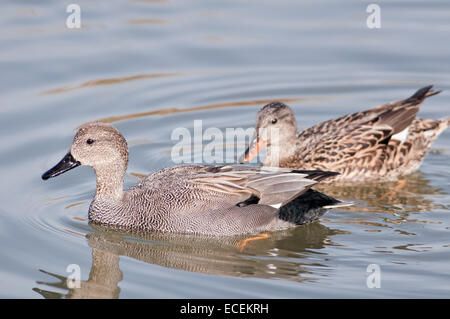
(113, 119)
(405, 195)
(280, 255)
(108, 81)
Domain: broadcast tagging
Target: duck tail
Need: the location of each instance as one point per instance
(309, 207)
(421, 94)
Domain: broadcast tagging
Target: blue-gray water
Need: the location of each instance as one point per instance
(150, 66)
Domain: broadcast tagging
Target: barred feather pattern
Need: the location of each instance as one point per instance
(360, 146)
(201, 199)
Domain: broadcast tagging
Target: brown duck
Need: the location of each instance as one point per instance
(377, 144)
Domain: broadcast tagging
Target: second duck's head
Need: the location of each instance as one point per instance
(96, 144)
(275, 124)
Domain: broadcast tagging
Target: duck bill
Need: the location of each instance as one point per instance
(255, 147)
(66, 164)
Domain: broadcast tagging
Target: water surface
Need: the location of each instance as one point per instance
(149, 67)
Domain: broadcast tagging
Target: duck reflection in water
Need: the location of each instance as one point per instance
(406, 195)
(284, 256)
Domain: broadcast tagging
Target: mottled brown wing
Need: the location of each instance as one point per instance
(363, 148)
(397, 115)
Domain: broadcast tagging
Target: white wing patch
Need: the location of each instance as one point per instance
(429, 133)
(401, 136)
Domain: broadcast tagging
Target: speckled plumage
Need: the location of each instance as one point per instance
(214, 200)
(362, 146)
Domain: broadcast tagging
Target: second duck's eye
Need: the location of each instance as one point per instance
(274, 121)
(90, 141)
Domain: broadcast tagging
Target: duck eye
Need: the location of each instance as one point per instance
(90, 141)
(274, 121)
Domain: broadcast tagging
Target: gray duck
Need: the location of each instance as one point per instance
(201, 199)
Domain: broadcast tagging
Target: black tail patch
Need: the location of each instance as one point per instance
(306, 208)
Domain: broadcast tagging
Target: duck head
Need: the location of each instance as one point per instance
(95, 144)
(275, 126)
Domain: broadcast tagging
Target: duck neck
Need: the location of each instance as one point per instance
(110, 179)
(279, 151)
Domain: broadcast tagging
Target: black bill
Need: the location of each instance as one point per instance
(67, 163)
